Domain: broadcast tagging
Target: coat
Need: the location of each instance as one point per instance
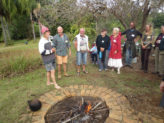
(115, 46)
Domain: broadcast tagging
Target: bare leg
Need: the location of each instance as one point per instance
(54, 80)
(118, 70)
(59, 71)
(78, 68)
(83, 67)
(65, 69)
(48, 78)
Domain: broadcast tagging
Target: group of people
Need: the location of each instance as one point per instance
(106, 51)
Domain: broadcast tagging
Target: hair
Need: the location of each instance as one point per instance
(59, 27)
(82, 29)
(151, 29)
(116, 29)
(103, 30)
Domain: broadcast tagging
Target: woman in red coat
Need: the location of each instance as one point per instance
(115, 55)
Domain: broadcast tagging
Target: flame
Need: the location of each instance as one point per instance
(88, 108)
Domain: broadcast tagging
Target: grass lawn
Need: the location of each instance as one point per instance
(25, 83)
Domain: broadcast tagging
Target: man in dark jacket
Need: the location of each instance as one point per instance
(102, 43)
(130, 46)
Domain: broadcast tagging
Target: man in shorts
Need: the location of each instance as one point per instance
(62, 45)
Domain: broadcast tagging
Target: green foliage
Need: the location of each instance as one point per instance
(158, 20)
(19, 60)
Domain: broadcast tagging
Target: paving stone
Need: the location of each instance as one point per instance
(120, 110)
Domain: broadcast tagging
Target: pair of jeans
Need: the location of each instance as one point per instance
(157, 59)
(161, 62)
(94, 57)
(128, 56)
(81, 58)
(145, 53)
(106, 58)
(101, 63)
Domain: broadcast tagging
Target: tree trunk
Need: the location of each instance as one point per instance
(40, 29)
(4, 31)
(145, 14)
(7, 30)
(33, 29)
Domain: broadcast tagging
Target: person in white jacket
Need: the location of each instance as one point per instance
(82, 48)
(48, 56)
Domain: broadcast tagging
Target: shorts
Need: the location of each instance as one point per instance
(81, 58)
(62, 59)
(50, 66)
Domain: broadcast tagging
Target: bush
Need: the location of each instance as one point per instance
(19, 61)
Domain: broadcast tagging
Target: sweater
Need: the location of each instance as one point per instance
(45, 47)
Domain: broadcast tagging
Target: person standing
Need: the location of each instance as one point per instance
(146, 45)
(130, 46)
(115, 55)
(158, 52)
(47, 52)
(161, 54)
(93, 52)
(102, 43)
(162, 90)
(62, 45)
(82, 48)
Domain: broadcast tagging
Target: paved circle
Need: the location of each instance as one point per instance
(120, 110)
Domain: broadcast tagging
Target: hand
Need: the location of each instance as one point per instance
(53, 50)
(162, 87)
(69, 53)
(102, 49)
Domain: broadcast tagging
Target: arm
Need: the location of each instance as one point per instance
(123, 33)
(69, 46)
(75, 43)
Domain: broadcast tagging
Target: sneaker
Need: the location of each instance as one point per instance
(66, 75)
(106, 69)
(118, 72)
(59, 76)
(100, 70)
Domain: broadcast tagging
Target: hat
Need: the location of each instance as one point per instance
(44, 29)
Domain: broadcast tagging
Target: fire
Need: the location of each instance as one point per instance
(88, 108)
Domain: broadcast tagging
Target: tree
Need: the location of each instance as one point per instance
(11, 8)
(158, 20)
(133, 10)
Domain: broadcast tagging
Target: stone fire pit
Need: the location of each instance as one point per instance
(116, 106)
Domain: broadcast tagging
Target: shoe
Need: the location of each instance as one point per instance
(57, 86)
(66, 75)
(130, 66)
(59, 76)
(145, 71)
(118, 72)
(155, 72)
(85, 72)
(106, 69)
(100, 70)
